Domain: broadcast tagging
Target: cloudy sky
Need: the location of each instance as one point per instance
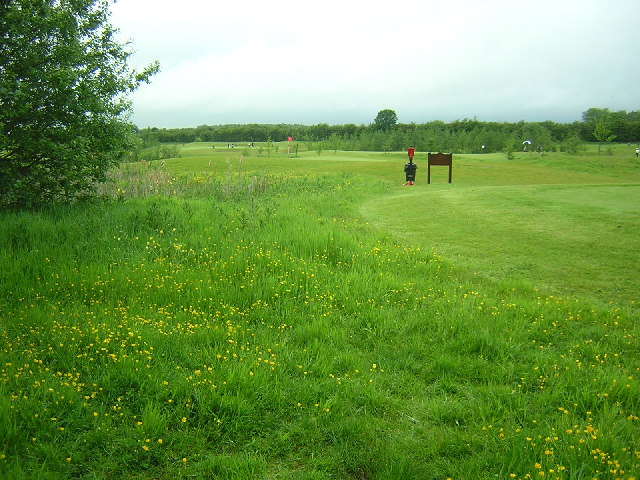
(341, 61)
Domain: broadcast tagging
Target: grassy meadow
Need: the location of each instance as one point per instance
(234, 315)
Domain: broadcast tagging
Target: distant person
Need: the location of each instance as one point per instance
(637, 151)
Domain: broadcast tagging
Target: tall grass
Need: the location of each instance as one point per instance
(242, 320)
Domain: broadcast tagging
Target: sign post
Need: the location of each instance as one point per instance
(439, 159)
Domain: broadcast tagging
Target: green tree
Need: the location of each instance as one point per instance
(64, 81)
(573, 144)
(334, 143)
(592, 114)
(510, 149)
(320, 131)
(385, 120)
(602, 130)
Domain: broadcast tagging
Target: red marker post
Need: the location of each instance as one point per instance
(289, 139)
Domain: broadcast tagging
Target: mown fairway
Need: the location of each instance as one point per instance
(577, 240)
(234, 316)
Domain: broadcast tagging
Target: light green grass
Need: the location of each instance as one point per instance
(571, 240)
(280, 318)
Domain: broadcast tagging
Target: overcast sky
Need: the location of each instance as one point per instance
(341, 61)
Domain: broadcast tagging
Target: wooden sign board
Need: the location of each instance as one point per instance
(439, 159)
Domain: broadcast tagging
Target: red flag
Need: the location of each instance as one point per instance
(290, 139)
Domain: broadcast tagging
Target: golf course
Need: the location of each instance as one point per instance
(226, 313)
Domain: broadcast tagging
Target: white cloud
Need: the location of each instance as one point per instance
(342, 61)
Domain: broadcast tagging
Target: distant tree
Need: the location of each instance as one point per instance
(63, 108)
(320, 131)
(510, 149)
(573, 144)
(269, 146)
(592, 114)
(347, 130)
(385, 120)
(334, 143)
(602, 131)
(633, 116)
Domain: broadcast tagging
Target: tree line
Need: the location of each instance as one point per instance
(385, 134)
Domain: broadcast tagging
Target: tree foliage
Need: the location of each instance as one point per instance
(462, 136)
(385, 120)
(602, 127)
(64, 111)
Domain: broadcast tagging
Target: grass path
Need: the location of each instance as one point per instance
(569, 239)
